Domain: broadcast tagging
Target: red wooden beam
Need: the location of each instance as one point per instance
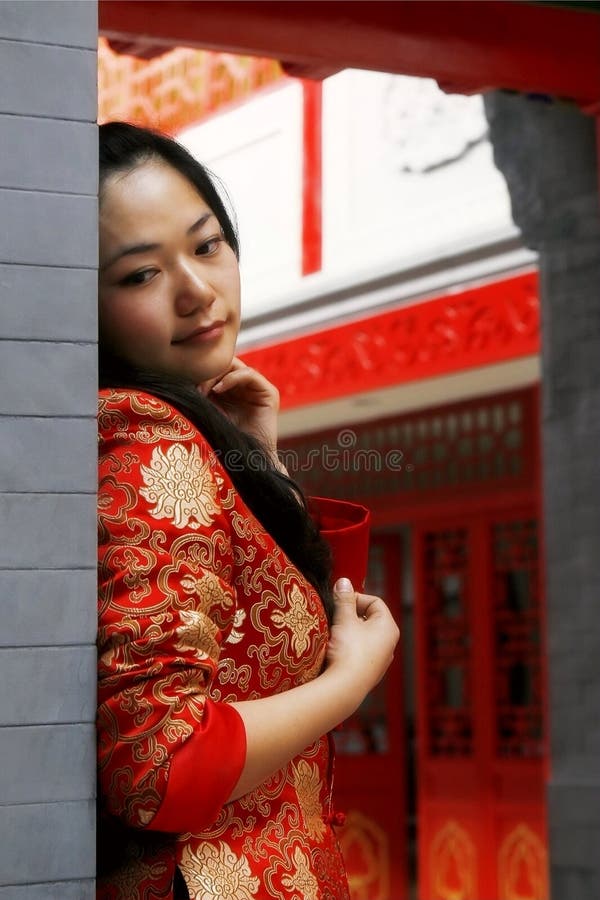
(467, 46)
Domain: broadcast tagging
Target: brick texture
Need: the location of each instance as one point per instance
(48, 258)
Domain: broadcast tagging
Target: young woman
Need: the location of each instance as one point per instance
(225, 659)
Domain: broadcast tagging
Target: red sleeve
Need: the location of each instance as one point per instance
(169, 756)
(345, 526)
(204, 771)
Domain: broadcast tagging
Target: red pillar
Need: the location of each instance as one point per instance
(312, 230)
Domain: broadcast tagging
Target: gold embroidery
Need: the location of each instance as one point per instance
(236, 635)
(298, 619)
(307, 783)
(302, 882)
(214, 872)
(181, 485)
(208, 589)
(247, 528)
(159, 420)
(235, 676)
(198, 634)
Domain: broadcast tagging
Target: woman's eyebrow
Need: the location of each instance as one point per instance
(128, 251)
(133, 249)
(201, 221)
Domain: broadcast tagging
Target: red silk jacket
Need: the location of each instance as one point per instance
(198, 608)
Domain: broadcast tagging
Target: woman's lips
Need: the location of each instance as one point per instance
(201, 335)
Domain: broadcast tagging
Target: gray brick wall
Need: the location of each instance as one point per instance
(48, 255)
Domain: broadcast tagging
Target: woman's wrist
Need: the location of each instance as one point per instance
(346, 688)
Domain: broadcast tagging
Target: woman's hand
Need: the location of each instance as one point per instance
(248, 399)
(363, 638)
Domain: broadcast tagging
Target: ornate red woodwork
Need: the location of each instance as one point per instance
(370, 763)
(451, 453)
(469, 489)
(481, 758)
(522, 865)
(453, 862)
(179, 88)
(517, 662)
(520, 46)
(366, 851)
(479, 326)
(447, 634)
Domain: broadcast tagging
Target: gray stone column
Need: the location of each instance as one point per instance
(547, 152)
(48, 259)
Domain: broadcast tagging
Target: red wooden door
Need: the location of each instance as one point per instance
(481, 753)
(370, 764)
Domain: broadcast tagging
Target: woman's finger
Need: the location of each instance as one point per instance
(345, 598)
(249, 379)
(231, 378)
(236, 365)
(367, 604)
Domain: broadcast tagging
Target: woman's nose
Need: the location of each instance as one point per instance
(192, 290)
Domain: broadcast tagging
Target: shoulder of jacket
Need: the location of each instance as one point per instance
(131, 414)
(132, 400)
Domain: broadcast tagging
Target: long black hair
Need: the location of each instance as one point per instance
(276, 501)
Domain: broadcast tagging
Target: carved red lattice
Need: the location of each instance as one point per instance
(517, 640)
(449, 725)
(480, 326)
(453, 449)
(177, 89)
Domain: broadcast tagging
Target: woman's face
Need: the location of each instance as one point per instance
(169, 287)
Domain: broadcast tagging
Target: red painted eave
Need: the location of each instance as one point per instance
(480, 326)
(466, 46)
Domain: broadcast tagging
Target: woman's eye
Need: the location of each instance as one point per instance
(207, 248)
(138, 277)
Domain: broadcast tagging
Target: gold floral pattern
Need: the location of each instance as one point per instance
(198, 634)
(298, 619)
(181, 485)
(307, 782)
(214, 872)
(209, 591)
(302, 882)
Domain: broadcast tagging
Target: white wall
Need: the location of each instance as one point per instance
(408, 172)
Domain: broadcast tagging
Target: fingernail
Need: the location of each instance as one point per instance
(343, 586)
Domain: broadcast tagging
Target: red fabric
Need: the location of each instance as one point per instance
(218, 746)
(163, 615)
(198, 608)
(345, 526)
